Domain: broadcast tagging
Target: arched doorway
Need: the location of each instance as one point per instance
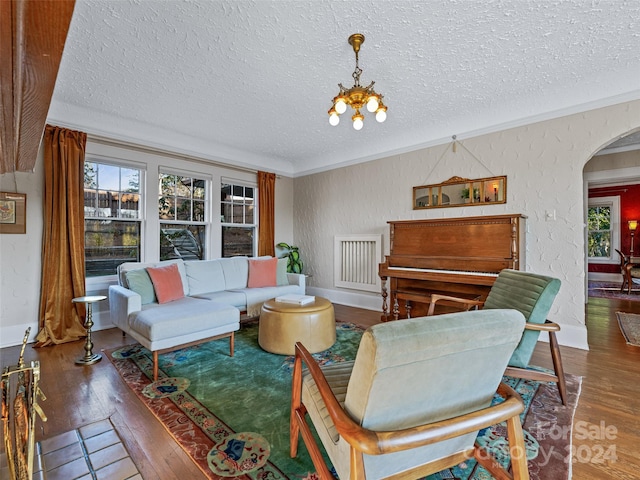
(612, 199)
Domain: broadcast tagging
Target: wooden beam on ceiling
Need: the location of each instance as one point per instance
(32, 37)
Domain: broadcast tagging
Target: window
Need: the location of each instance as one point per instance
(112, 217)
(182, 214)
(238, 220)
(603, 229)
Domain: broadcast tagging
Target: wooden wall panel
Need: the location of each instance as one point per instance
(32, 38)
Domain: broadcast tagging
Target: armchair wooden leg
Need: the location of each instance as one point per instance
(296, 404)
(155, 365)
(517, 449)
(557, 366)
(231, 344)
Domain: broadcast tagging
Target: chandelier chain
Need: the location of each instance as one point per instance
(356, 73)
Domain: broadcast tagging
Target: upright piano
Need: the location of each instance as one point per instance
(454, 256)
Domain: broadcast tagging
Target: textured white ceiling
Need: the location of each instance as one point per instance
(250, 82)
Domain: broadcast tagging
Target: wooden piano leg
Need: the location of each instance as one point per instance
(407, 306)
(385, 305)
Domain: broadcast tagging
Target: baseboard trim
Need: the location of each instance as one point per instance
(605, 277)
(13, 334)
(351, 299)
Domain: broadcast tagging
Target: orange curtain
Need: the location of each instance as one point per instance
(266, 216)
(63, 237)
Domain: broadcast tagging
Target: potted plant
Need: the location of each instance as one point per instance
(294, 265)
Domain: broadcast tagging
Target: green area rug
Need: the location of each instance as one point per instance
(231, 414)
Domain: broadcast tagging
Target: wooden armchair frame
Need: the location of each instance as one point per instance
(365, 441)
(550, 327)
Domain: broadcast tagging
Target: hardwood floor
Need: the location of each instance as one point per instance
(607, 420)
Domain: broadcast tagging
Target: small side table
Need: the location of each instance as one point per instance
(89, 357)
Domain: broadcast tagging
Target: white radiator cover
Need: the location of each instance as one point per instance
(356, 260)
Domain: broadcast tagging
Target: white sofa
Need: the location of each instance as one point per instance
(215, 293)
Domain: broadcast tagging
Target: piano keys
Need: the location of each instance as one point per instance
(455, 256)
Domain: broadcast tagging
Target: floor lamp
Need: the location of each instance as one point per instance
(633, 224)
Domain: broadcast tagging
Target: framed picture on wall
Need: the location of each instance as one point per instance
(13, 212)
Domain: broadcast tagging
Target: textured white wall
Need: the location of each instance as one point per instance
(543, 163)
(20, 260)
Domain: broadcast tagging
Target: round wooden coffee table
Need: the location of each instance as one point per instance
(284, 324)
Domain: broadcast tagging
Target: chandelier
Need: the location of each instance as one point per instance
(357, 96)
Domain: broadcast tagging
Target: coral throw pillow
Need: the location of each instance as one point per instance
(262, 273)
(166, 283)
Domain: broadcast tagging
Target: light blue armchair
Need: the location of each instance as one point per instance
(414, 399)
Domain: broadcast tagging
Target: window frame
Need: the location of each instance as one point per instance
(206, 223)
(249, 226)
(99, 280)
(614, 203)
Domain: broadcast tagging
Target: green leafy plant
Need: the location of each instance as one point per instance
(294, 265)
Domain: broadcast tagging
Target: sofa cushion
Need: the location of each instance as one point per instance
(184, 316)
(204, 276)
(140, 282)
(236, 272)
(262, 272)
(166, 283)
(281, 272)
(123, 268)
(235, 298)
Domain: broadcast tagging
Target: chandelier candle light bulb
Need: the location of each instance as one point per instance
(357, 96)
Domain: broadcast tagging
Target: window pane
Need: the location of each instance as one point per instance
(600, 244)
(237, 241)
(183, 187)
(165, 208)
(167, 185)
(248, 214)
(108, 243)
(90, 199)
(183, 209)
(225, 213)
(182, 241)
(237, 214)
(198, 211)
(108, 177)
(108, 203)
(198, 191)
(130, 180)
(225, 192)
(90, 175)
(130, 205)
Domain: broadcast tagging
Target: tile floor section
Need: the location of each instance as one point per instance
(93, 452)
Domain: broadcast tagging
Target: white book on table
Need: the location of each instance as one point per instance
(296, 299)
